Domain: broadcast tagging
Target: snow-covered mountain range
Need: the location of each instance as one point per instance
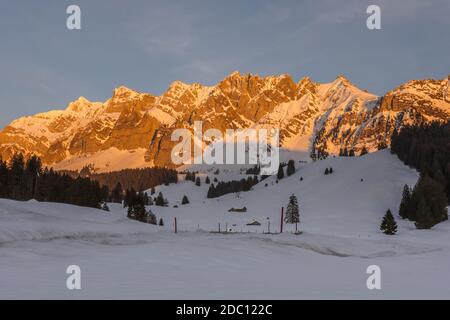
(133, 129)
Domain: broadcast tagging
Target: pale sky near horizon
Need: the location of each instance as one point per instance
(146, 45)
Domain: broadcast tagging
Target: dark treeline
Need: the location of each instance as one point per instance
(23, 180)
(233, 186)
(254, 170)
(137, 179)
(426, 148)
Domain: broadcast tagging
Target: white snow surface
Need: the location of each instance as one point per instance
(340, 216)
(106, 160)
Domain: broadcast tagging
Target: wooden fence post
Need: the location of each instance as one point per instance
(175, 224)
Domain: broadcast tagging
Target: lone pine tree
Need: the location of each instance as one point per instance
(185, 200)
(388, 225)
(160, 201)
(292, 212)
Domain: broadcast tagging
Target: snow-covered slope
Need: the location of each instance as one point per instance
(329, 203)
(319, 118)
(340, 215)
(34, 221)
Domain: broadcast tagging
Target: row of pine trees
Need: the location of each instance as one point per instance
(234, 186)
(138, 179)
(24, 179)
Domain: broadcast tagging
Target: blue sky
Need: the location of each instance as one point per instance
(146, 45)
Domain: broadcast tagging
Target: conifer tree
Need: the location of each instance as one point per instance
(388, 225)
(146, 199)
(430, 203)
(404, 204)
(161, 222)
(211, 191)
(3, 179)
(33, 169)
(424, 219)
(117, 193)
(129, 195)
(292, 212)
(280, 174)
(159, 201)
(197, 182)
(17, 167)
(290, 168)
(207, 181)
(185, 200)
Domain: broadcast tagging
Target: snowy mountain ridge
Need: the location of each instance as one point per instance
(312, 118)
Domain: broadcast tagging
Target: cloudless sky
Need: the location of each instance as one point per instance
(146, 45)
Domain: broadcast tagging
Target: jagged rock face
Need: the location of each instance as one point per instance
(428, 97)
(311, 117)
(126, 100)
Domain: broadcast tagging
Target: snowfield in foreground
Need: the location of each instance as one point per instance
(340, 217)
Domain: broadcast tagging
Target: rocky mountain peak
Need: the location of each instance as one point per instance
(79, 105)
(124, 91)
(124, 98)
(306, 85)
